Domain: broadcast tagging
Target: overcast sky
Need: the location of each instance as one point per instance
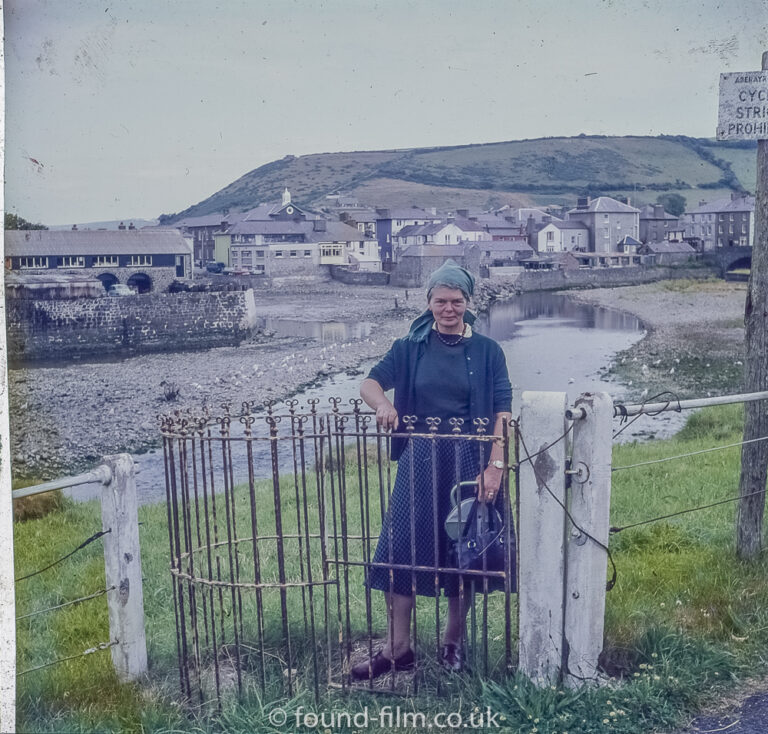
(132, 108)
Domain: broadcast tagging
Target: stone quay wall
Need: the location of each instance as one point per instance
(88, 328)
(358, 277)
(604, 277)
(492, 289)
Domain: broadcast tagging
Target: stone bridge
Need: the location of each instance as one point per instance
(729, 258)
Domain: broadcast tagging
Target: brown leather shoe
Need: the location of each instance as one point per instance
(379, 665)
(452, 657)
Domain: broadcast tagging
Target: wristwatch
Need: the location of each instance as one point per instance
(497, 463)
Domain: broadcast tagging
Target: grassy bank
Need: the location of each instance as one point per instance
(684, 622)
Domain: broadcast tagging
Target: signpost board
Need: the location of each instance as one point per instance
(743, 106)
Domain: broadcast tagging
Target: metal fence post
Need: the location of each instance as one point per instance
(590, 498)
(541, 534)
(122, 565)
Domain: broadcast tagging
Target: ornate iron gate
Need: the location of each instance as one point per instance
(272, 517)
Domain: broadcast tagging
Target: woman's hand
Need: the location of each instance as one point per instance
(488, 483)
(386, 417)
(375, 399)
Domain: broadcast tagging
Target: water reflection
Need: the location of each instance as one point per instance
(507, 317)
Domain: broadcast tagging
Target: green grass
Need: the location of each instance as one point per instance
(685, 621)
(544, 169)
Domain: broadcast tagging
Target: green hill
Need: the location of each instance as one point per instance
(544, 170)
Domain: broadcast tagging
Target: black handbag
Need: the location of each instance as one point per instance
(481, 544)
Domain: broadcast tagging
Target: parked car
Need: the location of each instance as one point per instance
(118, 289)
(214, 267)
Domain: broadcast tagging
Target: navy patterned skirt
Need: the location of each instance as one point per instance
(420, 535)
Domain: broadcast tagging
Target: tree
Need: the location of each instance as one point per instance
(673, 203)
(14, 221)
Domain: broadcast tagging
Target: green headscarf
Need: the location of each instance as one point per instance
(451, 275)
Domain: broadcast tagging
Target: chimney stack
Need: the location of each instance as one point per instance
(318, 225)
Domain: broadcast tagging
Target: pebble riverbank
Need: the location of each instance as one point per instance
(63, 419)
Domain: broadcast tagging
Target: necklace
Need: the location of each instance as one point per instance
(453, 341)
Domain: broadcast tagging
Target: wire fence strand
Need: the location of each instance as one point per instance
(89, 651)
(691, 453)
(82, 545)
(684, 512)
(66, 603)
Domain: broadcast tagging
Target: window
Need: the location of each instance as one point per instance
(550, 248)
(487, 253)
(307, 253)
(72, 261)
(278, 253)
(550, 236)
(26, 263)
(258, 268)
(743, 228)
(259, 253)
(138, 261)
(731, 217)
(606, 232)
(105, 261)
(720, 228)
(730, 229)
(573, 239)
(293, 253)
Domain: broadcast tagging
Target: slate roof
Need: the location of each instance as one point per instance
(505, 245)
(605, 205)
(726, 204)
(669, 248)
(572, 224)
(629, 240)
(95, 242)
(412, 213)
(210, 220)
(465, 225)
(648, 212)
(434, 251)
(521, 215)
(334, 231)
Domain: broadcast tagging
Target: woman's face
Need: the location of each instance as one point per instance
(448, 306)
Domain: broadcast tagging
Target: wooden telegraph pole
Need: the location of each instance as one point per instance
(745, 117)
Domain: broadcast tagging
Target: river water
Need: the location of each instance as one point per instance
(551, 343)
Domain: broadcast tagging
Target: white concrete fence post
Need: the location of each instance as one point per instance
(589, 498)
(562, 569)
(122, 565)
(541, 535)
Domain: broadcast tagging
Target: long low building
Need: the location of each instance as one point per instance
(147, 259)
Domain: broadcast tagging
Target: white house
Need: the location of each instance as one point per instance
(563, 236)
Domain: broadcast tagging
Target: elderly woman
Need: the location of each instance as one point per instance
(441, 369)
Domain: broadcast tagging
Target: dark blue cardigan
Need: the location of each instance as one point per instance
(489, 389)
